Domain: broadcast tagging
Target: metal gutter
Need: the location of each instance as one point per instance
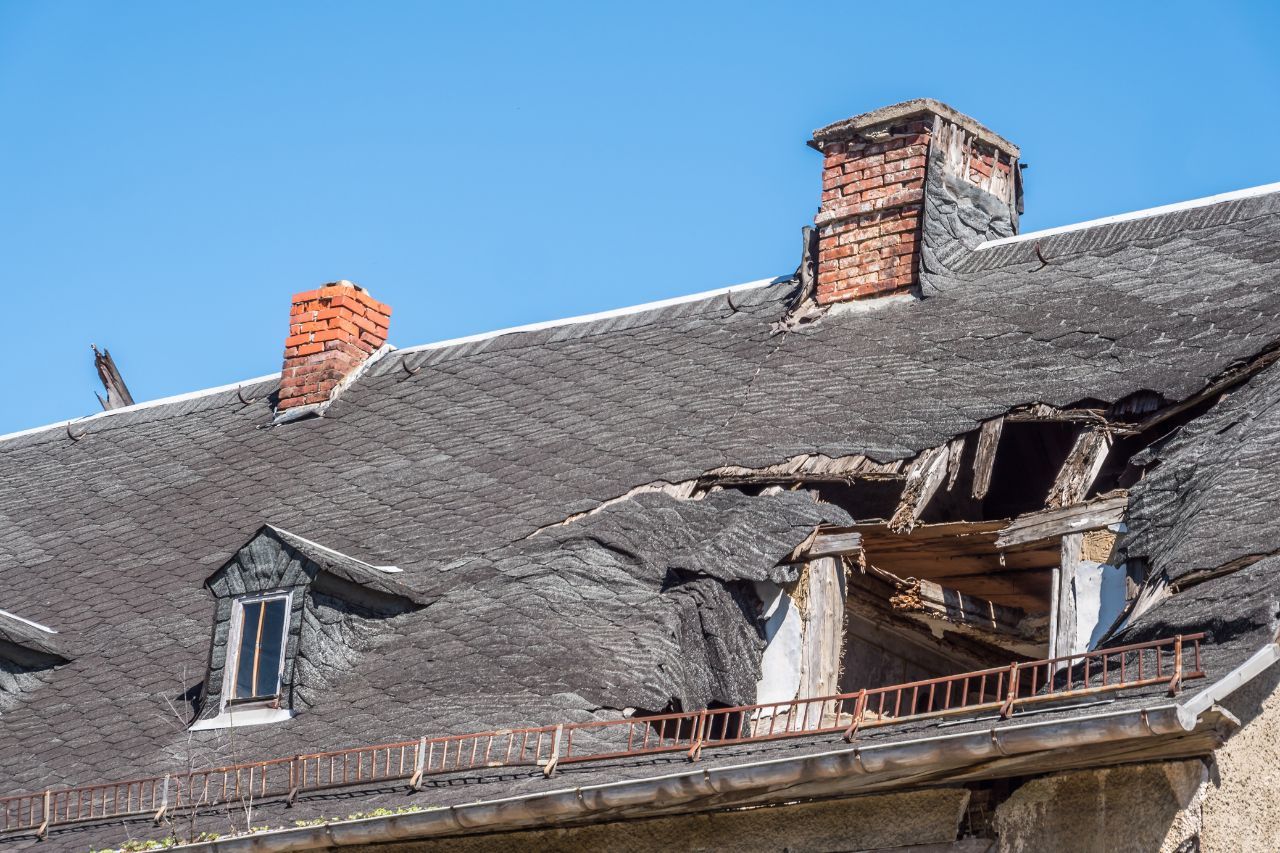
(843, 767)
(1189, 711)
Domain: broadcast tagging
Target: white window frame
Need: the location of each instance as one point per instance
(231, 664)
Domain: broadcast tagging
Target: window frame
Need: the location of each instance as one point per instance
(231, 663)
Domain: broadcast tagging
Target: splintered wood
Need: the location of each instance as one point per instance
(925, 474)
(1080, 468)
(984, 461)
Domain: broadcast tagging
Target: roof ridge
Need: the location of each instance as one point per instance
(1145, 213)
(445, 344)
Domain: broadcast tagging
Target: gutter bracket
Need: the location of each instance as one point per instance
(1175, 683)
(699, 733)
(859, 709)
(419, 764)
(164, 802)
(550, 766)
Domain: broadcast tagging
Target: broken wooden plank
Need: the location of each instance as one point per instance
(822, 628)
(955, 452)
(984, 460)
(925, 474)
(835, 544)
(1080, 468)
(118, 395)
(1043, 412)
(1050, 524)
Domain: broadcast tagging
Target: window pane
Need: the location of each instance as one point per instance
(270, 648)
(248, 644)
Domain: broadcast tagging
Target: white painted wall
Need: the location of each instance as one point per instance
(780, 664)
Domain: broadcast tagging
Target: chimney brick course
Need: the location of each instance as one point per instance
(332, 330)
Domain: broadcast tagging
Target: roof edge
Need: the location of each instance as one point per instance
(149, 404)
(668, 794)
(450, 342)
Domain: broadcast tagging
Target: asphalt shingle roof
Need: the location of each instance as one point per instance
(443, 461)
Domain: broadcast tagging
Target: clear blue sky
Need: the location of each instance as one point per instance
(170, 173)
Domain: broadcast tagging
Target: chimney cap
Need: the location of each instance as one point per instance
(342, 282)
(859, 125)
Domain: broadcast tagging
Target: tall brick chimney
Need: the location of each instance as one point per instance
(877, 172)
(332, 330)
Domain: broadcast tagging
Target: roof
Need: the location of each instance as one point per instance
(459, 463)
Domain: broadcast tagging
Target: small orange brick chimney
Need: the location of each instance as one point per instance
(874, 184)
(332, 330)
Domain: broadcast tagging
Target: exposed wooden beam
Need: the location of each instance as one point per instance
(955, 452)
(1043, 412)
(827, 544)
(924, 475)
(1050, 524)
(1080, 468)
(984, 459)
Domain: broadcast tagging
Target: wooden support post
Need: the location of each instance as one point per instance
(164, 801)
(822, 627)
(1175, 683)
(1064, 638)
(43, 831)
(550, 766)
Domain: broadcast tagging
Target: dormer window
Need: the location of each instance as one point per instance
(259, 631)
(286, 610)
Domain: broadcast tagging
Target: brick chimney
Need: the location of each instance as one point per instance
(332, 331)
(876, 175)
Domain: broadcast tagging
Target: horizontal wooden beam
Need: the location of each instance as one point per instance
(1037, 527)
(833, 545)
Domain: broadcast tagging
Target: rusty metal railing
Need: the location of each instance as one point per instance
(1000, 689)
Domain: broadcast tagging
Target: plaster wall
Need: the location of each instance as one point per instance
(1229, 803)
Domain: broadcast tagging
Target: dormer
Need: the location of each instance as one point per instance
(287, 613)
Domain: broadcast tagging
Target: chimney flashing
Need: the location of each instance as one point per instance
(865, 125)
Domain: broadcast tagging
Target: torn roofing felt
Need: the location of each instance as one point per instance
(19, 640)
(1208, 499)
(126, 515)
(644, 603)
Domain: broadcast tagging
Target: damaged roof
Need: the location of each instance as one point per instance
(458, 465)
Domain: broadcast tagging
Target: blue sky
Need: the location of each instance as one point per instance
(170, 173)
